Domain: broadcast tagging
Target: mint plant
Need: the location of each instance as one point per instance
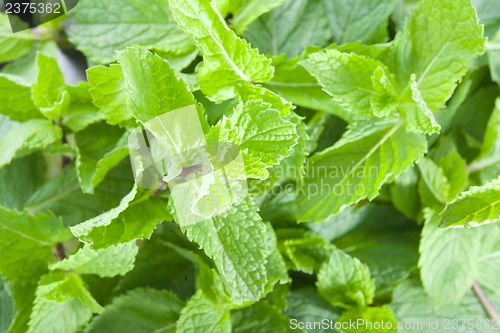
(355, 145)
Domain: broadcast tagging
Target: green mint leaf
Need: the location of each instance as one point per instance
(16, 99)
(167, 92)
(27, 240)
(345, 281)
(433, 180)
(19, 180)
(477, 206)
(489, 260)
(203, 315)
(12, 45)
(438, 60)
(141, 310)
(62, 303)
(294, 83)
(98, 31)
(63, 195)
(305, 305)
(415, 309)
(229, 62)
(418, 117)
(383, 239)
(23, 295)
(135, 217)
(107, 87)
(115, 260)
(224, 238)
(305, 251)
(404, 193)
(28, 137)
(246, 11)
(96, 157)
(447, 254)
(260, 317)
(358, 20)
(290, 28)
(7, 306)
(367, 317)
(264, 136)
(81, 112)
(353, 168)
(49, 91)
(355, 82)
(487, 164)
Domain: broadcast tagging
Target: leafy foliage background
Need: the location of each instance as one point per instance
(370, 132)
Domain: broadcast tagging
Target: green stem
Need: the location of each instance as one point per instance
(485, 302)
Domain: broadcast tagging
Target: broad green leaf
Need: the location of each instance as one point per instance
(290, 28)
(28, 137)
(135, 217)
(141, 310)
(489, 261)
(20, 179)
(355, 82)
(23, 295)
(358, 20)
(415, 310)
(7, 312)
(27, 241)
(382, 239)
(454, 167)
(260, 317)
(109, 262)
(439, 60)
(81, 113)
(355, 168)
(49, 91)
(345, 281)
(448, 260)
(493, 51)
(246, 11)
(235, 240)
(229, 63)
(12, 45)
(263, 136)
(418, 117)
(202, 315)
(100, 148)
(433, 180)
(404, 193)
(368, 320)
(166, 91)
(63, 195)
(16, 99)
(294, 83)
(487, 164)
(305, 305)
(107, 87)
(159, 266)
(305, 251)
(297, 24)
(62, 304)
(477, 206)
(25, 68)
(98, 31)
(487, 10)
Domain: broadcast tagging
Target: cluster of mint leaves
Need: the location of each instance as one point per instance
(370, 132)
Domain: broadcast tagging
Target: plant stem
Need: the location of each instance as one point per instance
(485, 302)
